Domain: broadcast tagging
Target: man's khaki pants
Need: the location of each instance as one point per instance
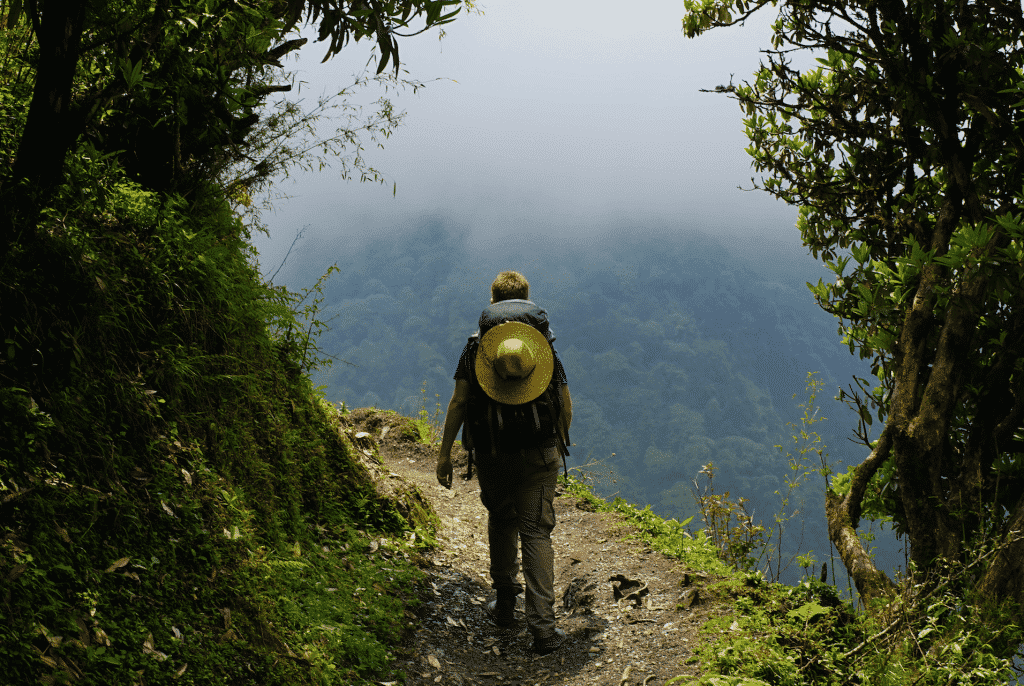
(518, 490)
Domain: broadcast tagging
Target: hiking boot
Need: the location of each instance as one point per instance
(549, 644)
(502, 610)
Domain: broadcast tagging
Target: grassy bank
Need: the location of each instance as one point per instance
(806, 634)
(181, 572)
(177, 503)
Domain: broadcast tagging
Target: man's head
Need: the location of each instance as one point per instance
(510, 286)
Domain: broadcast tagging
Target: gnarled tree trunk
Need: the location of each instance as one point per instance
(843, 515)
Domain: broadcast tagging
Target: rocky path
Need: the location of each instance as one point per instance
(617, 600)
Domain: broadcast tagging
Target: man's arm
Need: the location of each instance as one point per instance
(565, 417)
(452, 423)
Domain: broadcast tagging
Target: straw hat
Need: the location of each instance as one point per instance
(514, 363)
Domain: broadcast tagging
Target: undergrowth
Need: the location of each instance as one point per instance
(429, 422)
(667, 536)
(807, 634)
(177, 504)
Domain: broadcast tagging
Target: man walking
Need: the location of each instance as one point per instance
(512, 395)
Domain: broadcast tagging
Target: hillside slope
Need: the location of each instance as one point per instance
(261, 565)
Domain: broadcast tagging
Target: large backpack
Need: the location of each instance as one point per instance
(489, 423)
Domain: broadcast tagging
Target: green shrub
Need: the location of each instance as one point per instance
(174, 496)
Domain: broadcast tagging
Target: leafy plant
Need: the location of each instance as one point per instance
(294, 321)
(430, 424)
(807, 457)
(727, 523)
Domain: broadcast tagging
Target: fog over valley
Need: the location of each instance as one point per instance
(681, 348)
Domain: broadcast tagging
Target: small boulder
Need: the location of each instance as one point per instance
(689, 597)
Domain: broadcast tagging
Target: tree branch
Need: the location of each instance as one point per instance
(843, 515)
(863, 473)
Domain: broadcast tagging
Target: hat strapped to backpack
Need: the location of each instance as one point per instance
(514, 367)
(514, 363)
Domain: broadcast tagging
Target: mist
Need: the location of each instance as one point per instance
(561, 119)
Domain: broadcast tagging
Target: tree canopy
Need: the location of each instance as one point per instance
(903, 147)
(173, 87)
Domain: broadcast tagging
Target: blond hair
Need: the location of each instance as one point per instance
(510, 286)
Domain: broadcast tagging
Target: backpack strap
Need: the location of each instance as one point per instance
(490, 427)
(467, 435)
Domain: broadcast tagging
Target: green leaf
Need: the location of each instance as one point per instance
(807, 612)
(865, 414)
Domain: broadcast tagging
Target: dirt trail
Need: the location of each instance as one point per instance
(616, 599)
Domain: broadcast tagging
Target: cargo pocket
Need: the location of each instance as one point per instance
(547, 507)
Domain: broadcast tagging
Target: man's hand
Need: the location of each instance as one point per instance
(444, 470)
(452, 422)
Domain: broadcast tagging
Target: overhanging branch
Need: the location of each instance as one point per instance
(862, 475)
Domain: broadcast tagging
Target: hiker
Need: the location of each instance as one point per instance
(513, 398)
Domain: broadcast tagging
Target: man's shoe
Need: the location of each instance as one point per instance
(502, 610)
(499, 616)
(549, 644)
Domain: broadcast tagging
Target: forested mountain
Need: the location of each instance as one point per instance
(681, 348)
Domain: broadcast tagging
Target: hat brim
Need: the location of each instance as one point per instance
(514, 391)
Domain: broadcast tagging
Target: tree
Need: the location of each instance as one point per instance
(903, 147)
(176, 83)
(170, 94)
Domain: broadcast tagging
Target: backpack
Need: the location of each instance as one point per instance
(490, 423)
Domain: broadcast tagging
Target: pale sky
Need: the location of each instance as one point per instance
(567, 116)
